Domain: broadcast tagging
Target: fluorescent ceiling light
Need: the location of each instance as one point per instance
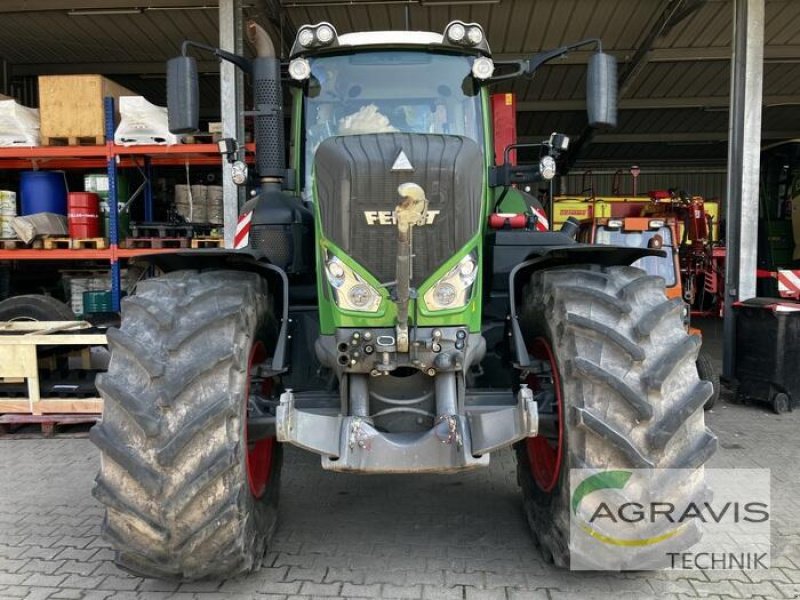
(91, 12)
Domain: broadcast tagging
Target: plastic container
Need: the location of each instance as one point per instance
(98, 301)
(8, 210)
(124, 221)
(6, 231)
(78, 285)
(98, 183)
(768, 351)
(83, 215)
(43, 191)
(8, 203)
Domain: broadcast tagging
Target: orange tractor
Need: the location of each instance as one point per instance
(657, 233)
(700, 254)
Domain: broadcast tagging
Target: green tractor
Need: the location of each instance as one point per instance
(373, 315)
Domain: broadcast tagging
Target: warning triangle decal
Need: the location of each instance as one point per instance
(401, 163)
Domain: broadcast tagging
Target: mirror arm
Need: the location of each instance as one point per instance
(240, 61)
(519, 70)
(539, 59)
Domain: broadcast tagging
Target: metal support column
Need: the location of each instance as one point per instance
(4, 77)
(744, 149)
(113, 205)
(232, 107)
(148, 189)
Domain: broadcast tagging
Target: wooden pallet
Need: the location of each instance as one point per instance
(57, 243)
(85, 140)
(96, 243)
(171, 230)
(11, 423)
(65, 243)
(17, 244)
(157, 242)
(208, 243)
(19, 344)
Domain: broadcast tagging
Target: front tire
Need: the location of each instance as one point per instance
(621, 391)
(186, 496)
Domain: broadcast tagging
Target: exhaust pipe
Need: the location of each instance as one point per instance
(260, 40)
(268, 105)
(410, 212)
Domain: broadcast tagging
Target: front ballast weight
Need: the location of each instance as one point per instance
(458, 427)
(454, 443)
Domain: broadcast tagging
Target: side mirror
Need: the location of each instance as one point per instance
(601, 90)
(183, 95)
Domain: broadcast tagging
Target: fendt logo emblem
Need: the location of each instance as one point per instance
(386, 217)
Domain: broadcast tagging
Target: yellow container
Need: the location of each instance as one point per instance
(579, 209)
(566, 208)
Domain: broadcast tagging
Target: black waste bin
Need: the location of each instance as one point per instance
(768, 351)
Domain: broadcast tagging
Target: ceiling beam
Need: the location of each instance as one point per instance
(106, 68)
(652, 103)
(691, 137)
(772, 54)
(11, 6)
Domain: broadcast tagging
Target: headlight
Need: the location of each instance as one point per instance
(305, 37)
(299, 69)
(325, 33)
(547, 167)
(474, 35)
(350, 291)
(455, 288)
(456, 32)
(482, 68)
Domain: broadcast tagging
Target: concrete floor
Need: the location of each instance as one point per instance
(460, 537)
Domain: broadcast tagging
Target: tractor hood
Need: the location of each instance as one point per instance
(357, 179)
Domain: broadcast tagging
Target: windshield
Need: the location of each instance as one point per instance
(663, 266)
(389, 91)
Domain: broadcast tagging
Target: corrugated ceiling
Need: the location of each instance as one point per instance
(677, 100)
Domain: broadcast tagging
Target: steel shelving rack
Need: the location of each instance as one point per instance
(111, 157)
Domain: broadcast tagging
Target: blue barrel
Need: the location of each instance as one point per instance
(43, 191)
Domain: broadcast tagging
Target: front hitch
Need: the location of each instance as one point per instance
(410, 212)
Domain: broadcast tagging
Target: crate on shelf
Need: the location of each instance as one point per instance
(71, 107)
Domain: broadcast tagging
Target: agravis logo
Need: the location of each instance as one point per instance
(603, 481)
(642, 518)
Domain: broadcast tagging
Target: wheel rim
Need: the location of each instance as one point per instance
(545, 452)
(258, 456)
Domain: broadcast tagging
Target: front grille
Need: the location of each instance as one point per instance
(355, 180)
